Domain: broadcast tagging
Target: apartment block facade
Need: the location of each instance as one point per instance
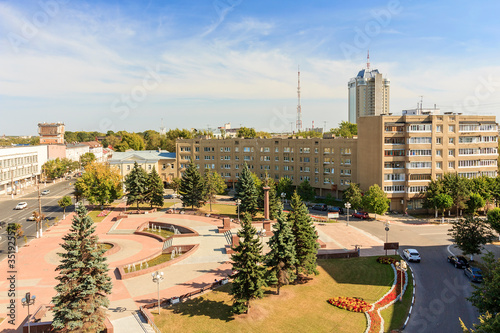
(328, 163)
(403, 153)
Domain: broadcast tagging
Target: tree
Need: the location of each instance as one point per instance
(304, 232)
(246, 191)
(249, 277)
(471, 234)
(81, 300)
(486, 296)
(281, 259)
(443, 201)
(214, 184)
(100, 183)
(434, 188)
(15, 229)
(244, 132)
(353, 195)
(494, 219)
(136, 185)
(345, 130)
(86, 159)
(64, 202)
(285, 186)
(488, 323)
(274, 201)
(306, 191)
(311, 134)
(475, 202)
(458, 188)
(375, 200)
(155, 189)
(176, 184)
(134, 141)
(191, 187)
(485, 186)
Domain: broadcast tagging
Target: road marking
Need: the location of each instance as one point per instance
(433, 233)
(449, 251)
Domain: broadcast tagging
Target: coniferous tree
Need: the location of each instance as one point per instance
(306, 246)
(136, 184)
(81, 300)
(213, 185)
(191, 187)
(274, 201)
(249, 277)
(282, 257)
(246, 191)
(155, 187)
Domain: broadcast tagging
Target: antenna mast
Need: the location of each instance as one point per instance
(368, 60)
(299, 108)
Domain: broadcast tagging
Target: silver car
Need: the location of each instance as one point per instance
(411, 255)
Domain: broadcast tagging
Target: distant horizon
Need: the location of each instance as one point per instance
(101, 66)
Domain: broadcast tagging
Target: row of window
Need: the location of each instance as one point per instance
(305, 150)
(16, 161)
(401, 189)
(326, 160)
(476, 163)
(19, 172)
(439, 128)
(439, 140)
(439, 152)
(477, 151)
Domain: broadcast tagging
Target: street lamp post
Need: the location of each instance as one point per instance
(387, 233)
(283, 195)
(347, 205)
(238, 203)
(27, 301)
(158, 277)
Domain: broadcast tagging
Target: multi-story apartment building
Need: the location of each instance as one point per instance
(51, 134)
(328, 164)
(403, 153)
(369, 94)
(20, 166)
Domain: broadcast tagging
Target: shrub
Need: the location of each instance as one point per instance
(387, 260)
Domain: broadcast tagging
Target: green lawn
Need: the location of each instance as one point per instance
(153, 262)
(395, 316)
(228, 210)
(105, 246)
(163, 232)
(299, 308)
(93, 214)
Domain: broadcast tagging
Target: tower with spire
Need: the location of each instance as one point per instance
(369, 93)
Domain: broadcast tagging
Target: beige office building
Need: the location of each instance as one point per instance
(369, 95)
(403, 153)
(328, 163)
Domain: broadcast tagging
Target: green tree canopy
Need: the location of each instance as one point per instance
(136, 185)
(304, 232)
(471, 234)
(81, 300)
(86, 159)
(155, 189)
(285, 186)
(375, 200)
(475, 202)
(100, 183)
(247, 192)
(345, 130)
(281, 259)
(353, 195)
(248, 278)
(64, 202)
(191, 187)
(245, 132)
(443, 201)
(486, 296)
(494, 219)
(213, 185)
(306, 191)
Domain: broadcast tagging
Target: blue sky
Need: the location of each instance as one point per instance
(101, 65)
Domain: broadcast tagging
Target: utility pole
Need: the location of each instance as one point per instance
(39, 228)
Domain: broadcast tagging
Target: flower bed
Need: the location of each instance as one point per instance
(103, 213)
(353, 304)
(386, 260)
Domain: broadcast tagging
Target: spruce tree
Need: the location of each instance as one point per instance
(136, 184)
(155, 187)
(306, 245)
(282, 257)
(191, 187)
(246, 191)
(249, 277)
(274, 201)
(81, 300)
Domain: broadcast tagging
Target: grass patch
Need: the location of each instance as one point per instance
(150, 263)
(227, 210)
(299, 308)
(105, 246)
(93, 215)
(395, 315)
(162, 232)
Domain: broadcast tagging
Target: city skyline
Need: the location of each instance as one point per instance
(99, 65)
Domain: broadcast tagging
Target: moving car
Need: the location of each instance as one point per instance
(31, 217)
(360, 215)
(458, 261)
(322, 207)
(21, 205)
(411, 255)
(474, 274)
(45, 192)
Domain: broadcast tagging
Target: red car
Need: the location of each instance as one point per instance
(360, 215)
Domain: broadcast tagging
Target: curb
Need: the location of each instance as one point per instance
(412, 298)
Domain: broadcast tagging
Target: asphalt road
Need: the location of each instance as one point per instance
(441, 288)
(49, 207)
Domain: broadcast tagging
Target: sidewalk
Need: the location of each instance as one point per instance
(25, 191)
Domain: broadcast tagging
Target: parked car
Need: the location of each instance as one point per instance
(45, 192)
(336, 209)
(411, 255)
(474, 274)
(21, 205)
(360, 215)
(68, 178)
(322, 207)
(3, 225)
(458, 261)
